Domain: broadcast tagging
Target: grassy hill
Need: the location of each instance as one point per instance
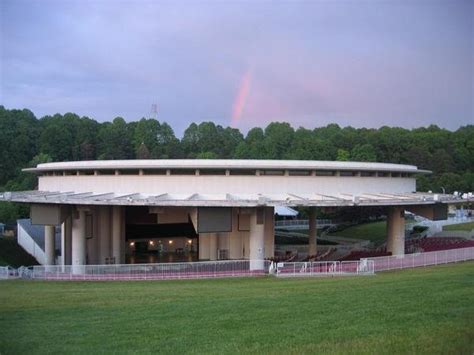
(460, 227)
(422, 311)
(373, 231)
(14, 255)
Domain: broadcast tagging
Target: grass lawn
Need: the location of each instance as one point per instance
(425, 310)
(460, 227)
(373, 231)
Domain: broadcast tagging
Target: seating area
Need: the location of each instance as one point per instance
(418, 245)
(438, 243)
(361, 254)
(288, 257)
(320, 256)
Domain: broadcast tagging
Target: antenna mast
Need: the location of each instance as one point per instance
(154, 111)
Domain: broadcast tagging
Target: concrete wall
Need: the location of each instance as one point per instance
(239, 185)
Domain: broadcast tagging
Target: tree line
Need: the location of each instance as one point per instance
(26, 141)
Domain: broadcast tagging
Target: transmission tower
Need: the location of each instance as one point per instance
(154, 111)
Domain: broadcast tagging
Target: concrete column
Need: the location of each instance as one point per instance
(123, 242)
(117, 233)
(49, 245)
(104, 233)
(66, 241)
(235, 239)
(223, 242)
(79, 241)
(213, 246)
(269, 232)
(257, 239)
(203, 246)
(312, 233)
(92, 242)
(396, 230)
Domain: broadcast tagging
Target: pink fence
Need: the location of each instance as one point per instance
(164, 271)
(323, 268)
(422, 259)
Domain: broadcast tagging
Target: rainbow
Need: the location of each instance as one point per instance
(241, 98)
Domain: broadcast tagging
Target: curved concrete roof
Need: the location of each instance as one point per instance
(223, 164)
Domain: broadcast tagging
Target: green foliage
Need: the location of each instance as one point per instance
(418, 311)
(12, 254)
(363, 152)
(10, 212)
(209, 138)
(343, 155)
(26, 141)
(143, 152)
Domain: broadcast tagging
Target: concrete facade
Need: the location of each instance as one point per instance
(184, 185)
(90, 200)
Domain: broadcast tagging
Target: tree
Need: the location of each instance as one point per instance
(363, 152)
(207, 155)
(343, 155)
(207, 137)
(143, 152)
(115, 140)
(278, 139)
(252, 147)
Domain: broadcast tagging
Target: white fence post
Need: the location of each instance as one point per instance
(229, 268)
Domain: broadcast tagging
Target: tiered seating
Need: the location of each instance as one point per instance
(361, 254)
(286, 258)
(319, 256)
(439, 243)
(418, 245)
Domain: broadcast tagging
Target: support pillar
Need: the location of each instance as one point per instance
(104, 233)
(213, 246)
(269, 232)
(235, 237)
(203, 246)
(396, 230)
(49, 245)
(257, 239)
(312, 233)
(66, 241)
(117, 233)
(79, 241)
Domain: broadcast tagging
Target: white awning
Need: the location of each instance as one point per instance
(285, 211)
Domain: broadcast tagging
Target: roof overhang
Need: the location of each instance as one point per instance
(224, 164)
(229, 200)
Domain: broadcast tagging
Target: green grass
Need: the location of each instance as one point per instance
(14, 255)
(373, 231)
(425, 310)
(460, 227)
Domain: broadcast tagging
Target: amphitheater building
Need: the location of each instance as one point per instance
(109, 211)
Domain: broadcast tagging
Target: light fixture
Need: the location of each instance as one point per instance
(132, 244)
(170, 242)
(151, 242)
(190, 241)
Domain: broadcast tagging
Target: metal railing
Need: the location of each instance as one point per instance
(301, 222)
(383, 263)
(323, 268)
(164, 271)
(7, 272)
(235, 268)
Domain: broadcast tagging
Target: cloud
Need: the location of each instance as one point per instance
(365, 64)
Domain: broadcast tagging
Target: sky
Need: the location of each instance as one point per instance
(242, 63)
